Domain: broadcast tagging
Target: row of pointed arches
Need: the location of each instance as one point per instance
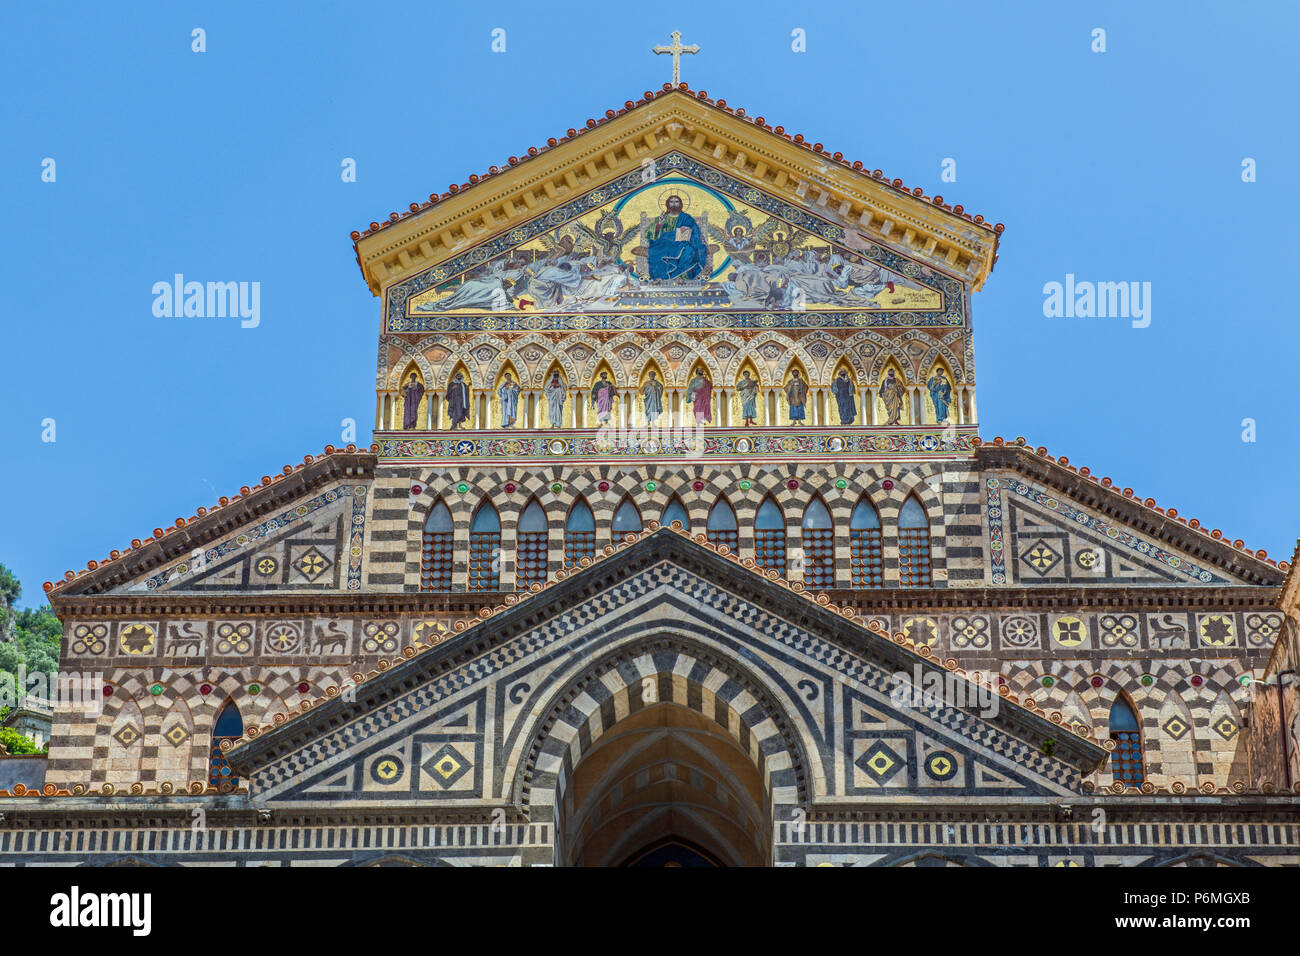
(809, 551)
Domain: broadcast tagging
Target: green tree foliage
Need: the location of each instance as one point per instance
(29, 638)
(16, 743)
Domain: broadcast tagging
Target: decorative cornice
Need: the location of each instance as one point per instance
(521, 612)
(942, 236)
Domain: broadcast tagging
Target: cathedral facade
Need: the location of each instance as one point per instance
(677, 543)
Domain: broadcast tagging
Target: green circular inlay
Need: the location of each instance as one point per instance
(557, 487)
(1245, 680)
(254, 688)
(1147, 680)
(841, 483)
(462, 487)
(746, 485)
(156, 689)
(1048, 681)
(650, 486)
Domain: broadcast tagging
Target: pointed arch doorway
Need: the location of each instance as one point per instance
(665, 786)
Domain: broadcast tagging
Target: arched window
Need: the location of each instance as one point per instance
(722, 528)
(627, 520)
(676, 512)
(1126, 761)
(913, 546)
(769, 536)
(579, 534)
(228, 726)
(435, 559)
(485, 549)
(865, 561)
(818, 546)
(531, 543)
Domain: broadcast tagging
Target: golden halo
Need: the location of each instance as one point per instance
(661, 200)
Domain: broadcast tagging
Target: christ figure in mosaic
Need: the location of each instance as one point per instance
(747, 389)
(796, 393)
(555, 393)
(940, 394)
(411, 396)
(842, 389)
(677, 250)
(457, 401)
(603, 394)
(892, 395)
(652, 397)
(509, 395)
(700, 393)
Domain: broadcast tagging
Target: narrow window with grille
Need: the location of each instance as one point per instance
(435, 557)
(865, 560)
(913, 546)
(818, 546)
(485, 549)
(721, 527)
(531, 542)
(229, 725)
(1126, 762)
(769, 536)
(579, 534)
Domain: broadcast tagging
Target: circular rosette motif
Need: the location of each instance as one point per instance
(1020, 631)
(235, 638)
(283, 637)
(1119, 630)
(90, 639)
(970, 632)
(380, 637)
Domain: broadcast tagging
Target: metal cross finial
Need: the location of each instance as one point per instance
(677, 49)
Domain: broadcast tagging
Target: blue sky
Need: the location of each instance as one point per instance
(1115, 166)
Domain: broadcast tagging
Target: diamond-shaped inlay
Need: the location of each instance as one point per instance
(446, 766)
(880, 762)
(1174, 727)
(127, 735)
(1041, 557)
(312, 564)
(177, 735)
(1225, 727)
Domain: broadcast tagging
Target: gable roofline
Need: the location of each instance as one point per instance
(490, 204)
(208, 525)
(1144, 515)
(522, 611)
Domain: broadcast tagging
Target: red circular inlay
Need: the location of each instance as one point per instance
(304, 687)
(792, 484)
(108, 691)
(603, 486)
(510, 487)
(205, 689)
(1001, 680)
(416, 490)
(1098, 681)
(697, 485)
(887, 485)
(1197, 680)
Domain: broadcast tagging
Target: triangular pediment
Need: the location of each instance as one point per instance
(680, 236)
(293, 533)
(635, 142)
(455, 723)
(1049, 525)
